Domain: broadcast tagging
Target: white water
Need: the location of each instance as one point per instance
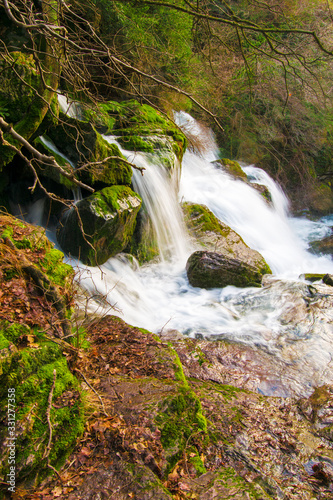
(77, 193)
(158, 296)
(70, 108)
(157, 189)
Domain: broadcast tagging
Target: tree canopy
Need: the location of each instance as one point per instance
(249, 66)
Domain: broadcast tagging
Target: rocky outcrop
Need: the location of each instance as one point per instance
(227, 260)
(214, 270)
(160, 431)
(108, 220)
(43, 410)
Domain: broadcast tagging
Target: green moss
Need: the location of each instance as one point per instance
(233, 168)
(179, 417)
(108, 218)
(198, 464)
(202, 219)
(30, 370)
(231, 480)
(136, 143)
(55, 268)
(178, 367)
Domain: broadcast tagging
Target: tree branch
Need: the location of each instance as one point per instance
(48, 160)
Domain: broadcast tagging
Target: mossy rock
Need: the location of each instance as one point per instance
(81, 143)
(136, 124)
(144, 242)
(108, 220)
(15, 95)
(28, 373)
(232, 167)
(214, 270)
(324, 245)
(31, 271)
(214, 235)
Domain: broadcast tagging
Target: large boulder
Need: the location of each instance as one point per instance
(215, 236)
(214, 270)
(108, 220)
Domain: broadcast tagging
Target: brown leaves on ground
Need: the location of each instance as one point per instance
(21, 299)
(120, 348)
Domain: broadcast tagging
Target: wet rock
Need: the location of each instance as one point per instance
(108, 220)
(214, 270)
(215, 236)
(312, 277)
(318, 409)
(328, 279)
(168, 435)
(324, 246)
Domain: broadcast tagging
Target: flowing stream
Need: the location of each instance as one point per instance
(157, 296)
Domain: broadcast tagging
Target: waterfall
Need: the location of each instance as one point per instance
(76, 190)
(158, 296)
(70, 108)
(157, 187)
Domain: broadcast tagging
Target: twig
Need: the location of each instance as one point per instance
(48, 415)
(99, 397)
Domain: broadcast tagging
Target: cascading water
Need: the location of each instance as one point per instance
(157, 189)
(158, 295)
(77, 194)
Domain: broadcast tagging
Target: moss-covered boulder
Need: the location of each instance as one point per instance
(108, 219)
(41, 411)
(232, 167)
(214, 270)
(81, 143)
(214, 235)
(139, 127)
(15, 95)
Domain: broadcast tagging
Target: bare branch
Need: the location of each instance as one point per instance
(49, 160)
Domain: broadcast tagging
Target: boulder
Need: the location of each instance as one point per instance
(214, 270)
(108, 220)
(322, 246)
(215, 236)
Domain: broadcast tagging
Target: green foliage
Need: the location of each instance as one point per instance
(159, 36)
